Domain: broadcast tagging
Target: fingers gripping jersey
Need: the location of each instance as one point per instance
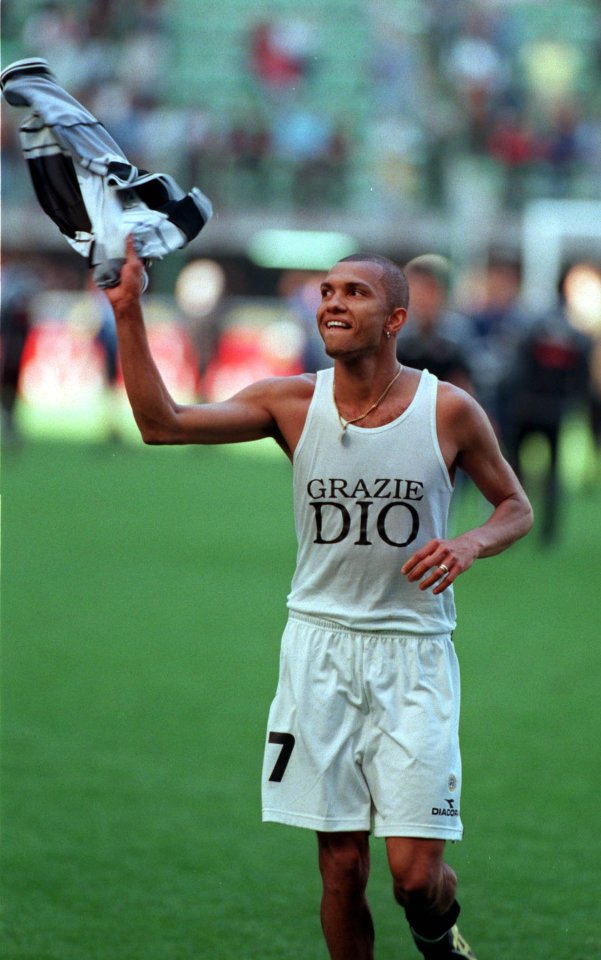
(362, 506)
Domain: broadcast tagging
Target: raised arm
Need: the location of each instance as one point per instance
(469, 440)
(247, 416)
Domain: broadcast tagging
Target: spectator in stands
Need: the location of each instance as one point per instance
(447, 79)
(562, 150)
(55, 31)
(513, 142)
(249, 144)
(477, 69)
(280, 53)
(311, 151)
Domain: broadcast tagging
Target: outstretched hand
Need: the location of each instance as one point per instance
(131, 281)
(439, 562)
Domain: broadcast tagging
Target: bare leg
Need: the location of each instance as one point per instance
(345, 917)
(425, 886)
(421, 878)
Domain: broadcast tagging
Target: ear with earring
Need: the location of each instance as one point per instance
(387, 332)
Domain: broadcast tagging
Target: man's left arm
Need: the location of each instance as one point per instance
(438, 563)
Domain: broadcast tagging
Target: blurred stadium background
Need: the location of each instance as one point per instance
(136, 690)
(466, 129)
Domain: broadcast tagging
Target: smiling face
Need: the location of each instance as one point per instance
(354, 310)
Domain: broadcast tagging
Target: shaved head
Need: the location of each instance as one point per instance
(393, 279)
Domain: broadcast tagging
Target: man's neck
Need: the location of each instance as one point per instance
(364, 377)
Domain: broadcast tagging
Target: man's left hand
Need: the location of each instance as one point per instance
(439, 562)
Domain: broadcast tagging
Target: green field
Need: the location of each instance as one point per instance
(143, 602)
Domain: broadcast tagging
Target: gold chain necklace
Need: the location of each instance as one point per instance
(344, 423)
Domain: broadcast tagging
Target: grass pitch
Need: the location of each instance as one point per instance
(143, 604)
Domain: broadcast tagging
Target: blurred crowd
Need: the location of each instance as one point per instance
(433, 83)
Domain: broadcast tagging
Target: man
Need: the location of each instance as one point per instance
(363, 728)
(499, 325)
(19, 287)
(550, 376)
(436, 337)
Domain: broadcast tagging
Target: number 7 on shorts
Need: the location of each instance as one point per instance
(287, 743)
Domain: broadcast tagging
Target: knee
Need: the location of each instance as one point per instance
(422, 882)
(415, 886)
(344, 864)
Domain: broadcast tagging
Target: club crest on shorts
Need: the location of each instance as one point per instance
(452, 784)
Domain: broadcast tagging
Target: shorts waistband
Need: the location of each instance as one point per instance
(360, 631)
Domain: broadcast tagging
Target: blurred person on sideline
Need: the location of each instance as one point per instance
(595, 403)
(106, 339)
(436, 337)
(19, 286)
(583, 307)
(500, 323)
(550, 378)
(363, 730)
(301, 291)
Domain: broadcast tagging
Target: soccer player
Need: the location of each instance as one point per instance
(363, 732)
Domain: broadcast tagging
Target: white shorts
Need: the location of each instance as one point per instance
(363, 733)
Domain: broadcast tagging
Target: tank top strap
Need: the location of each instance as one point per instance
(318, 406)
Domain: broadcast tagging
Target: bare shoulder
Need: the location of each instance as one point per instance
(281, 388)
(465, 434)
(289, 402)
(284, 401)
(281, 396)
(458, 410)
(299, 387)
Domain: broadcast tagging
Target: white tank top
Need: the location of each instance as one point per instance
(362, 506)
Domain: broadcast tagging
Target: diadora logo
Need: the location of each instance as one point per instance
(448, 811)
